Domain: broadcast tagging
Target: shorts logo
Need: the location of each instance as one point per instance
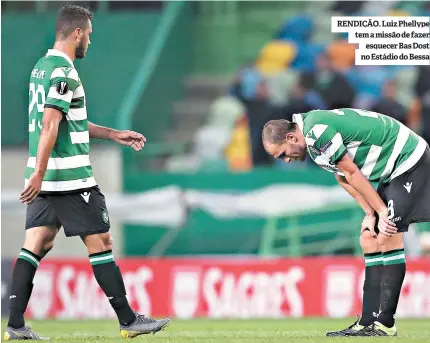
(408, 186)
(86, 196)
(105, 217)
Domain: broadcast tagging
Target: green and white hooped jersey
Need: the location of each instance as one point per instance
(380, 146)
(55, 83)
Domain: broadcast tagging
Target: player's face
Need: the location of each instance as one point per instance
(290, 150)
(83, 41)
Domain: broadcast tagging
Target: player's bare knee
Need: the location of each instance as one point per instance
(46, 248)
(40, 240)
(366, 238)
(384, 240)
(392, 242)
(98, 242)
(107, 241)
(368, 243)
(49, 245)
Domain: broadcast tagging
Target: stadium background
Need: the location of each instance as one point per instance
(204, 223)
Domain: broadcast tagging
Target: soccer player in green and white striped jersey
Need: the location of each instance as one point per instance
(60, 188)
(360, 147)
(55, 84)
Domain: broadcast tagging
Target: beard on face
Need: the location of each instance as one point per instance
(301, 152)
(80, 50)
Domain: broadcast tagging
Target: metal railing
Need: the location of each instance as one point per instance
(289, 236)
(334, 229)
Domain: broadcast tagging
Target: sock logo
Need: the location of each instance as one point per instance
(12, 296)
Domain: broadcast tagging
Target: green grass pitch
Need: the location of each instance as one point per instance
(216, 331)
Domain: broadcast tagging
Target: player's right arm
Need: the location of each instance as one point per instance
(63, 81)
(48, 135)
(357, 180)
(369, 218)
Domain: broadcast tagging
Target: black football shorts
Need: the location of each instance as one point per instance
(80, 214)
(408, 195)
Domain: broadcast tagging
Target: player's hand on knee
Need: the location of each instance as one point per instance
(368, 223)
(385, 226)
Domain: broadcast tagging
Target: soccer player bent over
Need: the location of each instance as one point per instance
(360, 146)
(60, 189)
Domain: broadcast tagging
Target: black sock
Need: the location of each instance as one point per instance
(22, 286)
(109, 278)
(392, 280)
(372, 287)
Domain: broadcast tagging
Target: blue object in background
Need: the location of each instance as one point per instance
(251, 79)
(307, 55)
(368, 80)
(298, 29)
(315, 100)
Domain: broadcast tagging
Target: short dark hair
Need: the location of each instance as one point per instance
(71, 17)
(275, 131)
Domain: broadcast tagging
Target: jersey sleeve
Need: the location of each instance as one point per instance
(327, 141)
(63, 83)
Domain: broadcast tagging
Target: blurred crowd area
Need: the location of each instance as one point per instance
(40, 5)
(305, 67)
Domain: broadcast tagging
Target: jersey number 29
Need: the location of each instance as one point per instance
(37, 98)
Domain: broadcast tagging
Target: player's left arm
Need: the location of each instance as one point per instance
(123, 137)
(48, 135)
(100, 132)
(358, 181)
